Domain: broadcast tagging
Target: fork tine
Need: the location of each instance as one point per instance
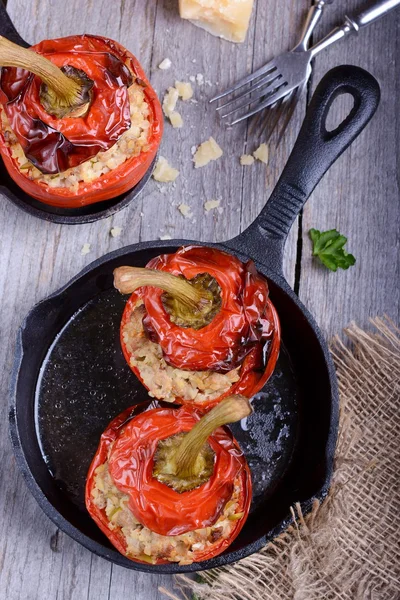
(264, 82)
(282, 91)
(248, 79)
(273, 87)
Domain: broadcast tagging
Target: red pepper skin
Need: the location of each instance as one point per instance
(205, 344)
(233, 332)
(69, 141)
(137, 437)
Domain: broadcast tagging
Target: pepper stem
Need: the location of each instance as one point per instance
(185, 461)
(61, 95)
(230, 410)
(190, 303)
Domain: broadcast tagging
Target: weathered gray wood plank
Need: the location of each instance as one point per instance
(360, 194)
(39, 561)
(277, 29)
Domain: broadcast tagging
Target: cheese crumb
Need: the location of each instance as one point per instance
(206, 152)
(163, 171)
(262, 153)
(185, 89)
(165, 237)
(192, 78)
(115, 231)
(246, 159)
(211, 204)
(165, 64)
(169, 104)
(200, 79)
(169, 101)
(184, 209)
(85, 249)
(193, 150)
(176, 119)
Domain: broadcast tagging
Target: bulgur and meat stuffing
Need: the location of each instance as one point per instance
(169, 485)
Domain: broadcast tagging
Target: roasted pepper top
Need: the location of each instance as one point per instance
(132, 447)
(241, 320)
(55, 144)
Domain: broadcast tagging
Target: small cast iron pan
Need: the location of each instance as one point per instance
(67, 216)
(71, 379)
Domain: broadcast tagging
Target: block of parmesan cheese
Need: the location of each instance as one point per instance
(228, 19)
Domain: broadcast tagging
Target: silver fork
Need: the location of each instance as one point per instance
(287, 72)
(288, 103)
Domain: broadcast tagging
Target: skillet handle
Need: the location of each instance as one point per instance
(7, 28)
(315, 150)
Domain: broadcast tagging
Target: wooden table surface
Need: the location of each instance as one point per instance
(359, 196)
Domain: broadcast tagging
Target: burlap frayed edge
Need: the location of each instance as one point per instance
(346, 548)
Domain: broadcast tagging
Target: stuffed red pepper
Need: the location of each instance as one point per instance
(79, 123)
(198, 326)
(170, 485)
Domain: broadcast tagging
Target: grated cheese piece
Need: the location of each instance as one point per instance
(184, 209)
(228, 19)
(211, 204)
(206, 152)
(163, 171)
(169, 101)
(200, 79)
(185, 89)
(246, 159)
(176, 119)
(262, 153)
(85, 249)
(115, 231)
(165, 64)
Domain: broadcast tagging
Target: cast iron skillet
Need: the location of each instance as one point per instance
(70, 377)
(67, 216)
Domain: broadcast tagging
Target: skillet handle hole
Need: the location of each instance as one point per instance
(339, 111)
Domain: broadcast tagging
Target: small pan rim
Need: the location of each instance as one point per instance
(68, 219)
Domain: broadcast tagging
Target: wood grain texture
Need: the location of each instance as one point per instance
(360, 194)
(37, 561)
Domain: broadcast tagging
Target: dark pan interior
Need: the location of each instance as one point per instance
(69, 216)
(72, 380)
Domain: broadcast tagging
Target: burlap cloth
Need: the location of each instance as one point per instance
(348, 547)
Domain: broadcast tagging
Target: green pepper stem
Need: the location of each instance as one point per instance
(230, 410)
(129, 279)
(65, 91)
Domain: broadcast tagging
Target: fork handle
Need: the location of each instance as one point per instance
(355, 23)
(313, 17)
(315, 150)
(373, 13)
